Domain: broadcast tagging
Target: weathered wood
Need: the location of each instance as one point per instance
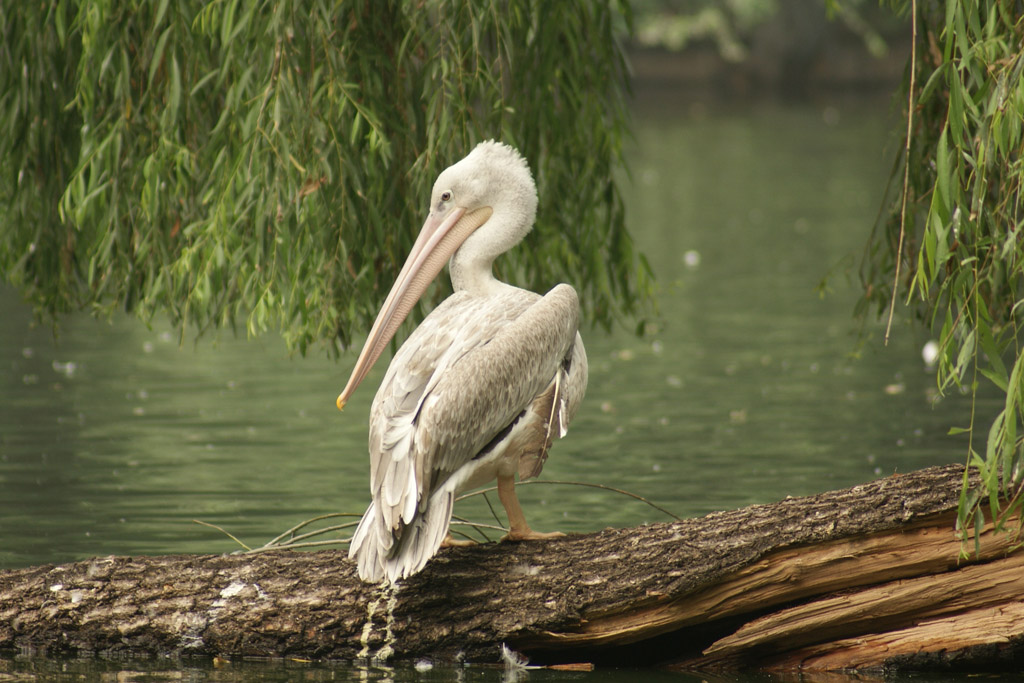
(864, 577)
(886, 606)
(980, 638)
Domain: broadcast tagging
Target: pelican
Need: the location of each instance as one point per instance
(481, 388)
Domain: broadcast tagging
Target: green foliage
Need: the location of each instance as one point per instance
(266, 165)
(962, 267)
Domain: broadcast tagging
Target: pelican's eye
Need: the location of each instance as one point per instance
(446, 196)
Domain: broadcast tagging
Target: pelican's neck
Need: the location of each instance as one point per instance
(474, 275)
(471, 265)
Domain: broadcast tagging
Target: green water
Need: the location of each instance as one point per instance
(158, 671)
(115, 437)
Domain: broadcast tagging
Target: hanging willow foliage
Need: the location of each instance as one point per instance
(266, 164)
(952, 242)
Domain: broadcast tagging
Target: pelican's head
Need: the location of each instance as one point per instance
(480, 207)
(493, 176)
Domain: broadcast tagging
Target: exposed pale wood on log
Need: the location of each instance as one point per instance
(880, 608)
(614, 596)
(995, 625)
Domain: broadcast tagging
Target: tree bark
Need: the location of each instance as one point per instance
(863, 578)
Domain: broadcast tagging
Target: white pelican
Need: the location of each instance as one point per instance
(479, 390)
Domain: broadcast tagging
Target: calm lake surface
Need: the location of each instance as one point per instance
(750, 386)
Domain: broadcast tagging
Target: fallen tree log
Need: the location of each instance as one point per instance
(863, 578)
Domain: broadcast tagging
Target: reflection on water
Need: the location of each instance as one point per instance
(113, 438)
(423, 671)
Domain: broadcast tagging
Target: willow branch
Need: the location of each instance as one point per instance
(906, 164)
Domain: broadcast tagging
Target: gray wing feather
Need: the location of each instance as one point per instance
(482, 394)
(558, 405)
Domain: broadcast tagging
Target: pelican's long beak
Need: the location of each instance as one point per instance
(440, 237)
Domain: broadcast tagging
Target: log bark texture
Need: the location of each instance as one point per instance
(863, 578)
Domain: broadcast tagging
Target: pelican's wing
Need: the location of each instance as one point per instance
(398, 480)
(482, 394)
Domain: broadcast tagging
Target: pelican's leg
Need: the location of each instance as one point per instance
(518, 529)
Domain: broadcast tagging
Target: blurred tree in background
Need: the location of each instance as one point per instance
(951, 241)
(732, 24)
(266, 165)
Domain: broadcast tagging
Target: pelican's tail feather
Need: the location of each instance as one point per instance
(370, 545)
(420, 539)
(381, 553)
